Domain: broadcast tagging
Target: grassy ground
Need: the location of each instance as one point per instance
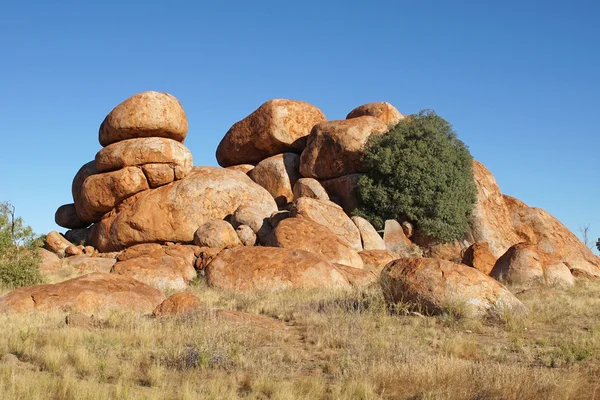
(310, 345)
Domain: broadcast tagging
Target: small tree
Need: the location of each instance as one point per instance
(19, 259)
(421, 172)
(585, 236)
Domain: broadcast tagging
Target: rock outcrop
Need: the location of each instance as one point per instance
(278, 174)
(385, 112)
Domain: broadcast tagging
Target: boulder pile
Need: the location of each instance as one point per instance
(277, 214)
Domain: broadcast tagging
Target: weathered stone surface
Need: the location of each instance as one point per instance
(309, 187)
(384, 111)
(163, 269)
(335, 148)
(158, 174)
(376, 260)
(246, 235)
(278, 126)
(172, 213)
(278, 216)
(245, 168)
(558, 274)
(452, 251)
(246, 269)
(88, 293)
(304, 234)
(255, 219)
(216, 233)
(78, 236)
(441, 286)
(50, 261)
(66, 216)
(205, 256)
(73, 251)
(103, 192)
(145, 114)
(394, 238)
(552, 237)
(369, 236)
(278, 174)
(85, 215)
(491, 221)
(358, 277)
(331, 216)
(183, 303)
(148, 150)
(341, 191)
(85, 264)
(56, 243)
(479, 256)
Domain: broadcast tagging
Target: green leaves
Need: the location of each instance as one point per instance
(421, 172)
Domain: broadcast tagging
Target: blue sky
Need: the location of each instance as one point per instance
(518, 80)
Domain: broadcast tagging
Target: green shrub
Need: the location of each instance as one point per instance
(419, 172)
(598, 244)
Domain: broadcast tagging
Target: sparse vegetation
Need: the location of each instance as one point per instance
(421, 172)
(19, 259)
(321, 345)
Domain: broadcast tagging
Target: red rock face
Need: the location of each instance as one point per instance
(182, 303)
(479, 256)
(278, 126)
(303, 234)
(144, 115)
(376, 260)
(335, 148)
(341, 191)
(438, 286)
(385, 112)
(358, 277)
(271, 269)
(216, 233)
(278, 175)
(88, 293)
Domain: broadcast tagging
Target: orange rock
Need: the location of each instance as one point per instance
(358, 277)
(245, 168)
(84, 264)
(172, 213)
(270, 269)
(255, 219)
(144, 115)
(85, 215)
(376, 260)
(394, 238)
(88, 293)
(278, 126)
(440, 286)
(158, 174)
(341, 191)
(369, 236)
(452, 251)
(56, 243)
(335, 148)
(479, 256)
(246, 235)
(183, 303)
(205, 257)
(66, 216)
(387, 113)
(309, 187)
(329, 215)
(73, 251)
(303, 234)
(278, 174)
(50, 261)
(216, 233)
(148, 150)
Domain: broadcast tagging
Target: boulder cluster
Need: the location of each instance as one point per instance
(277, 214)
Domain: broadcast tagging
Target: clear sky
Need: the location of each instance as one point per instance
(519, 80)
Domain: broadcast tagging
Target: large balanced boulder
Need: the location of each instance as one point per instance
(387, 113)
(172, 213)
(88, 293)
(149, 150)
(66, 216)
(329, 215)
(438, 286)
(244, 269)
(278, 174)
(335, 148)
(303, 234)
(278, 126)
(145, 114)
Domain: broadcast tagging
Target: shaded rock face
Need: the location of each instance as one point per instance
(309, 187)
(369, 236)
(278, 126)
(182, 303)
(246, 235)
(172, 213)
(88, 293)
(341, 191)
(329, 215)
(144, 115)
(66, 216)
(270, 269)
(216, 233)
(85, 214)
(165, 268)
(335, 148)
(278, 175)
(253, 218)
(442, 286)
(149, 150)
(376, 260)
(303, 234)
(479, 256)
(385, 112)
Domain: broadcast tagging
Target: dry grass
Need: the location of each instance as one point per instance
(323, 345)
